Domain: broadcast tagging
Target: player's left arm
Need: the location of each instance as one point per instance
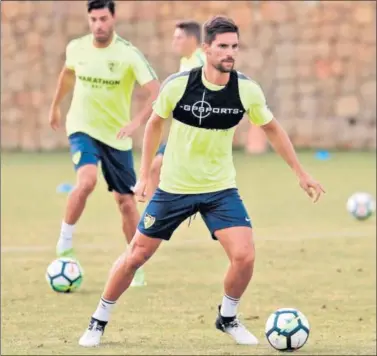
(147, 79)
(260, 115)
(282, 144)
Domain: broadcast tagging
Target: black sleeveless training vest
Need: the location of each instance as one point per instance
(207, 109)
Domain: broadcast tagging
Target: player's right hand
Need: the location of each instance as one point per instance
(54, 117)
(140, 191)
(312, 188)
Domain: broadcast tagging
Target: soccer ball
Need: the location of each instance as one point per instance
(64, 275)
(287, 329)
(361, 205)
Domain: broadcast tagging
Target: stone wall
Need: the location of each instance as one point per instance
(316, 62)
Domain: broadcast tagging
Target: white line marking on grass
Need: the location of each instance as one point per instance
(206, 240)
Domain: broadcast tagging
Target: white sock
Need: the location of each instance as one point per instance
(229, 306)
(104, 310)
(65, 239)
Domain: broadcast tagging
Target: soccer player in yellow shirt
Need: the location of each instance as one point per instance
(198, 175)
(101, 69)
(186, 43)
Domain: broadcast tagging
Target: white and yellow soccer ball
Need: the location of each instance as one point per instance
(287, 329)
(361, 205)
(64, 275)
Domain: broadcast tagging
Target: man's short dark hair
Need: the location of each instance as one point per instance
(101, 4)
(191, 28)
(218, 25)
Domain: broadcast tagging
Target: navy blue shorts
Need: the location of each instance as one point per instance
(117, 166)
(161, 149)
(166, 211)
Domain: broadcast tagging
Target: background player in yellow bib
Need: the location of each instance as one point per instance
(101, 69)
(198, 174)
(186, 43)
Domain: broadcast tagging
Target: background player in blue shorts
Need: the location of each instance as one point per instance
(186, 43)
(99, 122)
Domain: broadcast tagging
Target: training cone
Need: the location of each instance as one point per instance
(64, 188)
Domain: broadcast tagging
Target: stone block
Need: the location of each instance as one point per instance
(371, 143)
(285, 72)
(29, 136)
(218, 7)
(367, 34)
(325, 105)
(366, 54)
(327, 126)
(349, 84)
(328, 32)
(266, 37)
(322, 49)
(288, 32)
(328, 87)
(45, 7)
(10, 10)
(16, 80)
(304, 133)
(307, 87)
(338, 68)
(6, 33)
(368, 91)
(325, 129)
(359, 137)
(148, 11)
(285, 52)
(289, 124)
(13, 115)
(346, 31)
(23, 99)
(287, 108)
(304, 71)
(127, 11)
(165, 9)
(344, 49)
(286, 90)
(47, 139)
(309, 107)
(343, 137)
(6, 99)
(62, 139)
(253, 59)
(364, 14)
(21, 26)
(242, 18)
(10, 134)
(37, 98)
(306, 52)
(274, 11)
(347, 106)
(331, 15)
(308, 33)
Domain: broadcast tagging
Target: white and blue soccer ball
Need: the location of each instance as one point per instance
(64, 275)
(361, 205)
(287, 329)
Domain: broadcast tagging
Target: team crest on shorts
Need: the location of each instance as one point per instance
(149, 220)
(76, 157)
